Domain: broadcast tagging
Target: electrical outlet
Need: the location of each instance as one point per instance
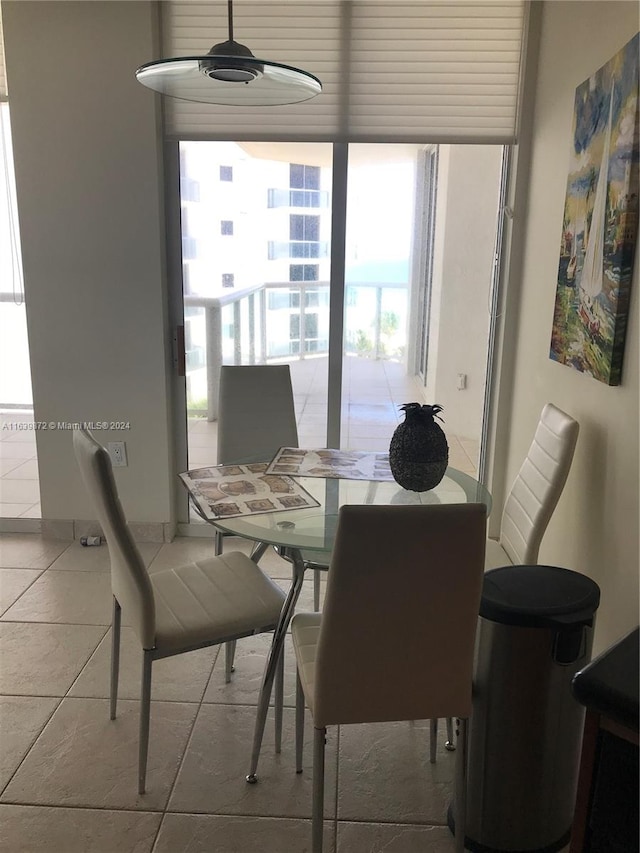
(462, 381)
(118, 453)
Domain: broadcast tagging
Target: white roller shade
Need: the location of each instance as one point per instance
(3, 71)
(391, 71)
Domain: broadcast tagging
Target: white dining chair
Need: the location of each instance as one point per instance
(533, 498)
(175, 610)
(256, 417)
(396, 637)
(536, 491)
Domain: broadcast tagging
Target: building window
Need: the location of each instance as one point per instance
(303, 272)
(228, 279)
(304, 177)
(226, 228)
(297, 198)
(189, 248)
(311, 325)
(312, 297)
(294, 327)
(304, 227)
(226, 173)
(189, 189)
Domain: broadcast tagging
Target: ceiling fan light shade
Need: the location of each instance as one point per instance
(229, 75)
(231, 80)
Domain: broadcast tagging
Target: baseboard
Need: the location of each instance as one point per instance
(157, 532)
(20, 525)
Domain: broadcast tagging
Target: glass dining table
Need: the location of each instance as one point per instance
(305, 538)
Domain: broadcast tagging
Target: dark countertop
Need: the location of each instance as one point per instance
(610, 683)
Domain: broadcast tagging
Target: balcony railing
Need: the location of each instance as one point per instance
(284, 321)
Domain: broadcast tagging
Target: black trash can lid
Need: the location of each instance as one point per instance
(538, 597)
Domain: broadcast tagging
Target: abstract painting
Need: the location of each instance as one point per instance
(600, 223)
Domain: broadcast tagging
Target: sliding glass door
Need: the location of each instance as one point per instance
(366, 267)
(255, 223)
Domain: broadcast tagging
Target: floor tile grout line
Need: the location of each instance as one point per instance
(33, 742)
(86, 663)
(169, 812)
(77, 807)
(24, 621)
(180, 764)
(135, 699)
(398, 822)
(41, 572)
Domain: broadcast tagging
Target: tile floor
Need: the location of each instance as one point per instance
(68, 774)
(19, 483)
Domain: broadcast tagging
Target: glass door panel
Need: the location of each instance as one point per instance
(19, 477)
(420, 254)
(381, 202)
(256, 231)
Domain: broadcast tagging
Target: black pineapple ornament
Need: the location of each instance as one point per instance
(419, 453)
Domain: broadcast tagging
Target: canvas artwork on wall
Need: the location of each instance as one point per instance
(600, 224)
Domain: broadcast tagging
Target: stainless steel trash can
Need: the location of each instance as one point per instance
(535, 632)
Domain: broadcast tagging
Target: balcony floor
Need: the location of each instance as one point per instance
(373, 391)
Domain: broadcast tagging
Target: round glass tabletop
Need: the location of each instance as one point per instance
(314, 529)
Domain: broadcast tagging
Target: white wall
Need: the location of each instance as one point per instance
(90, 206)
(595, 527)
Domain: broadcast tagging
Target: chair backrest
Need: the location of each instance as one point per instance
(399, 619)
(538, 486)
(256, 414)
(129, 579)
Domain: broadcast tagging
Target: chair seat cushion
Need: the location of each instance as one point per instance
(305, 630)
(495, 556)
(212, 600)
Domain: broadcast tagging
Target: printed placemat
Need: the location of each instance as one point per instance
(341, 464)
(225, 491)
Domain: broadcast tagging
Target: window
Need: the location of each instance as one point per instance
(312, 297)
(304, 177)
(310, 198)
(228, 279)
(226, 173)
(226, 228)
(281, 298)
(304, 227)
(311, 325)
(304, 249)
(297, 198)
(189, 189)
(189, 248)
(294, 327)
(303, 272)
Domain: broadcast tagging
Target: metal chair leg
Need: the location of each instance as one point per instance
(316, 590)
(450, 744)
(229, 654)
(279, 700)
(270, 669)
(317, 815)
(433, 742)
(461, 786)
(219, 542)
(115, 657)
(299, 722)
(145, 712)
